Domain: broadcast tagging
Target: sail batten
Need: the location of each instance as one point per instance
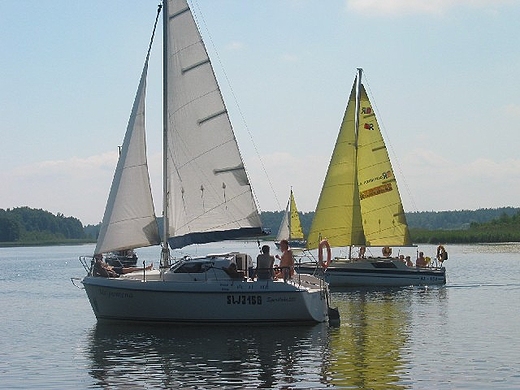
(193, 66)
(212, 116)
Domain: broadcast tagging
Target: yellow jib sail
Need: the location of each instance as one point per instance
(295, 226)
(359, 202)
(290, 228)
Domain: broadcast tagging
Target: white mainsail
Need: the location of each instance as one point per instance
(208, 196)
(129, 220)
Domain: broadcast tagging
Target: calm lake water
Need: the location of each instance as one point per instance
(465, 335)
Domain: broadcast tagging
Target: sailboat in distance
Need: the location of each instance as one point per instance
(291, 227)
(207, 197)
(360, 206)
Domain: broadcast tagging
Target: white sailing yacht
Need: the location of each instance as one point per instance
(291, 227)
(360, 205)
(207, 198)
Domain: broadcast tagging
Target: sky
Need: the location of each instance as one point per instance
(443, 77)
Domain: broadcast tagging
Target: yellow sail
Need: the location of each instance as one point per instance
(338, 213)
(295, 226)
(291, 227)
(384, 221)
(359, 202)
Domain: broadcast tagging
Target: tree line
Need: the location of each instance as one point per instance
(27, 225)
(459, 226)
(24, 225)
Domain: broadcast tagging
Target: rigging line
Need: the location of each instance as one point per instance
(159, 8)
(217, 56)
(394, 154)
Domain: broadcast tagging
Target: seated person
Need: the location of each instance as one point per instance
(387, 251)
(421, 261)
(409, 262)
(103, 269)
(232, 271)
(264, 264)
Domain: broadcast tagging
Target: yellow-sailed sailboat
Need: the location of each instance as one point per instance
(291, 227)
(360, 205)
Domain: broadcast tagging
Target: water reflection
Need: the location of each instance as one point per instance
(369, 350)
(134, 356)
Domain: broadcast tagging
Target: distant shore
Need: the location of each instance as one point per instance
(47, 243)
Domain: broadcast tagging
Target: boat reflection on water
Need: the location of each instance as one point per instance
(370, 351)
(133, 356)
(372, 348)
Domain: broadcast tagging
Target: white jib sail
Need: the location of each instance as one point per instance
(129, 220)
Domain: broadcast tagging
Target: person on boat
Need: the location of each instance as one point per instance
(286, 266)
(409, 261)
(103, 269)
(264, 264)
(362, 252)
(442, 255)
(401, 258)
(387, 251)
(421, 261)
(233, 272)
(250, 268)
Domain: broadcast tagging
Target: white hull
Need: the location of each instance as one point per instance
(215, 301)
(376, 272)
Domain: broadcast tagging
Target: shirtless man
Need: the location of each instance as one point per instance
(286, 261)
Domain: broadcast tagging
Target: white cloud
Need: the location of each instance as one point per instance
(512, 110)
(75, 187)
(235, 46)
(79, 187)
(304, 173)
(409, 7)
(441, 184)
(287, 57)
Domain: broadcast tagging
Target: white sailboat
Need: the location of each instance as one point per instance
(291, 227)
(207, 198)
(360, 205)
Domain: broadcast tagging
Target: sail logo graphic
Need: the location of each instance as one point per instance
(367, 111)
(387, 187)
(384, 176)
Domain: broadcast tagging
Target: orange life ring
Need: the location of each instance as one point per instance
(324, 244)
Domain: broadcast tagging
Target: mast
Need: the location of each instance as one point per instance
(356, 135)
(290, 214)
(358, 103)
(165, 252)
